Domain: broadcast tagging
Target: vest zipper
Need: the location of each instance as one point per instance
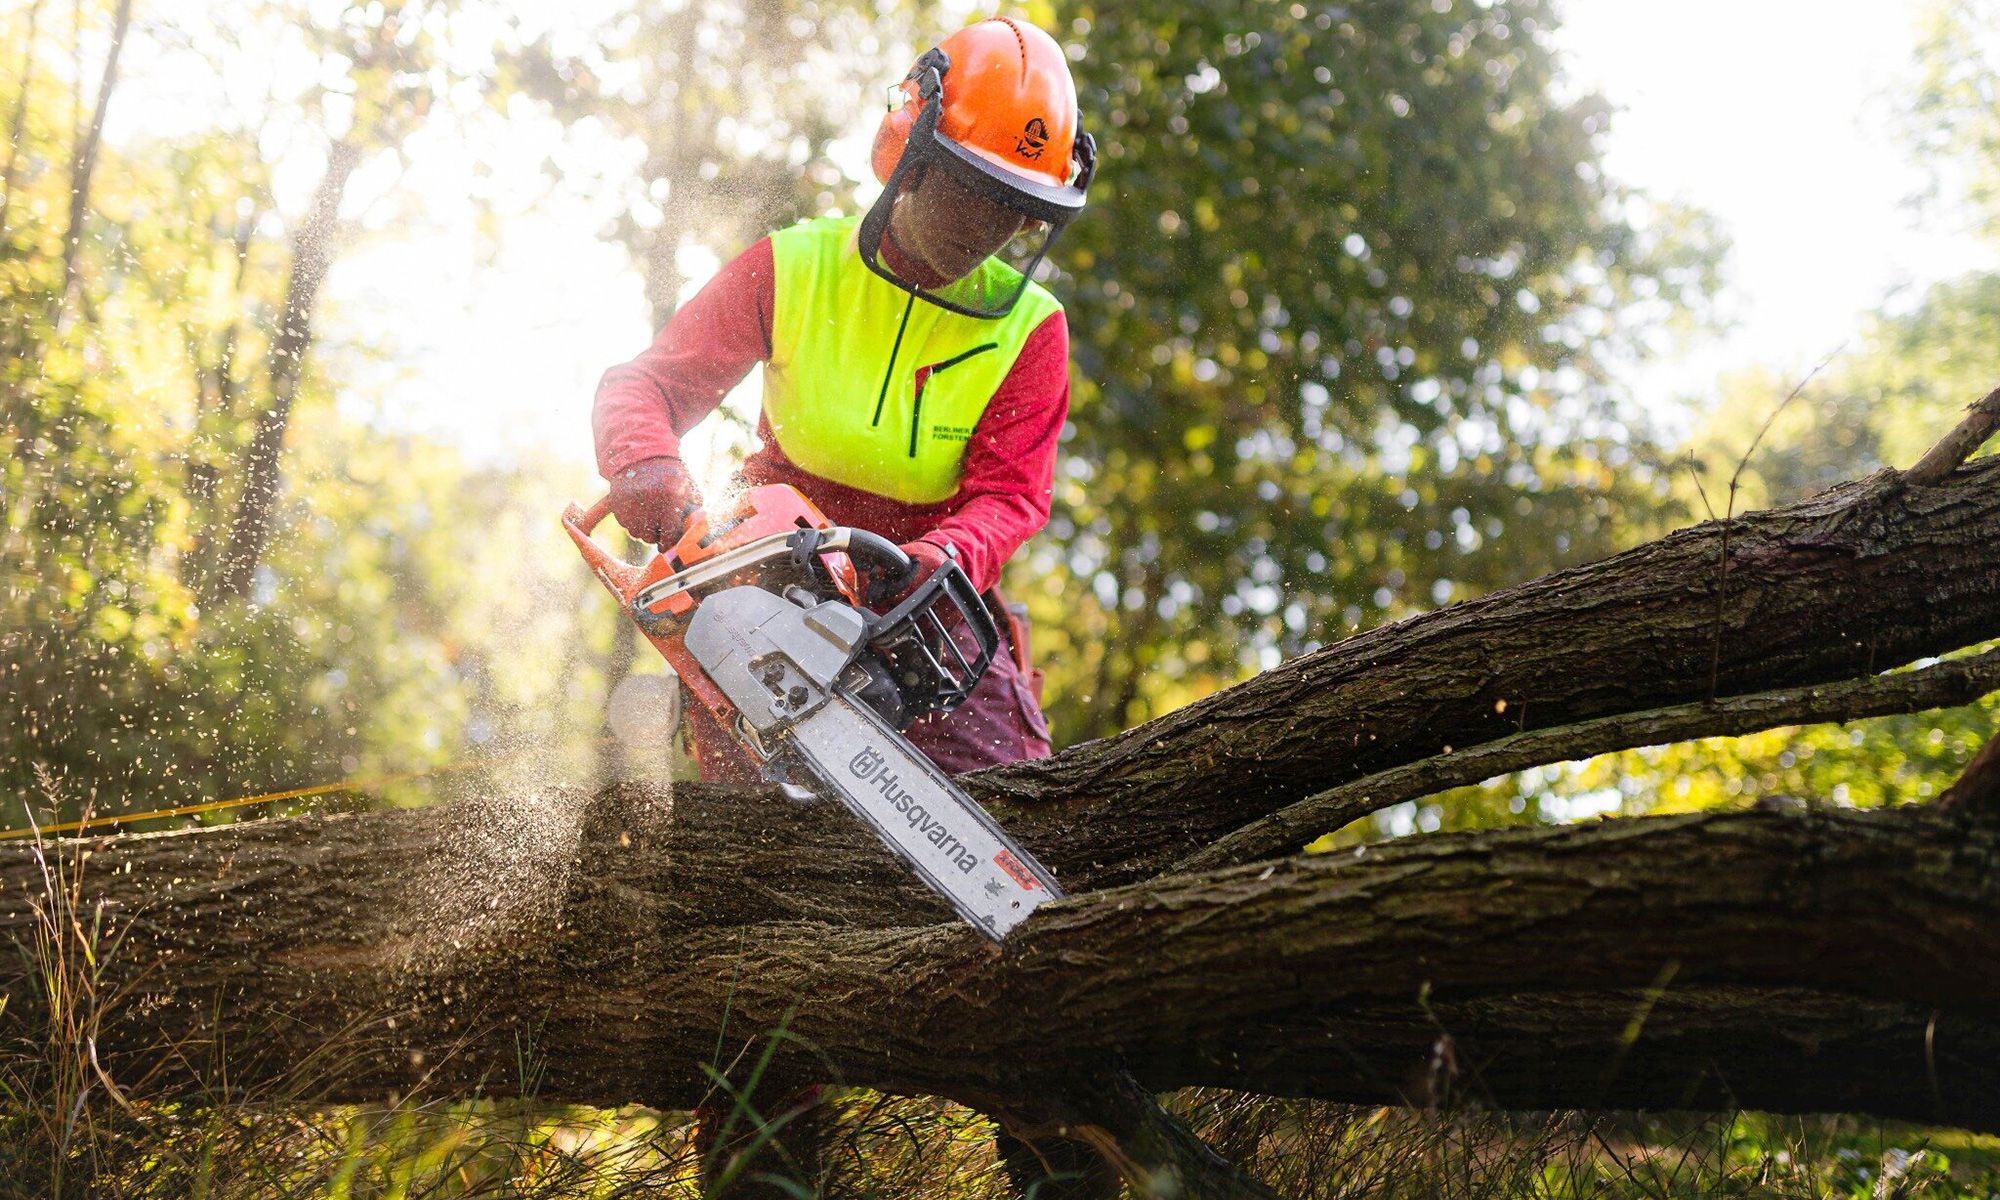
(889, 372)
(917, 404)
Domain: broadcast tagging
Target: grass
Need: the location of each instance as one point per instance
(882, 1147)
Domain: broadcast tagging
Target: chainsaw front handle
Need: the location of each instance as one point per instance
(899, 570)
(589, 519)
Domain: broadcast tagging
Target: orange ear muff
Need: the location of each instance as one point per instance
(892, 136)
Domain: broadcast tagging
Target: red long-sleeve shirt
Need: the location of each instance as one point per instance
(644, 406)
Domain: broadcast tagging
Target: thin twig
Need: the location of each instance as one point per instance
(1729, 518)
(1694, 473)
(1982, 420)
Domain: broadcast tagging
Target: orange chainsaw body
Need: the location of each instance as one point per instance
(761, 512)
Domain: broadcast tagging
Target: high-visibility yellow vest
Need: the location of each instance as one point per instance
(871, 387)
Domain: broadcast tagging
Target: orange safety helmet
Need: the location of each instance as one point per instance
(1004, 124)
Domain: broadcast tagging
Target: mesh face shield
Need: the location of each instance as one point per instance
(963, 197)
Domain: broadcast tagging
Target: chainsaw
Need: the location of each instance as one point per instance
(765, 617)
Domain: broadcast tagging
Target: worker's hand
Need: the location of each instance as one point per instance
(652, 498)
(926, 558)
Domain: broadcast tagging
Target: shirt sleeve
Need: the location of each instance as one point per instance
(708, 346)
(1007, 481)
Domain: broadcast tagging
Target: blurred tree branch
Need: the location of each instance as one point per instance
(16, 124)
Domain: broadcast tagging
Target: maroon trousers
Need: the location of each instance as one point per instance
(1001, 722)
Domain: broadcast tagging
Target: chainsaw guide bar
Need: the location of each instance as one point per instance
(790, 672)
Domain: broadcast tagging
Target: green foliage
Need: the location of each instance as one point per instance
(1882, 404)
(1341, 311)
(736, 108)
(381, 635)
(1953, 116)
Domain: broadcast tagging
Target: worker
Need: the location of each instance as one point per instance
(916, 377)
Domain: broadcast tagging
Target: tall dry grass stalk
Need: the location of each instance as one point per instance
(56, 1091)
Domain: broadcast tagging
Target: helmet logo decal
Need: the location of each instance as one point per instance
(1032, 140)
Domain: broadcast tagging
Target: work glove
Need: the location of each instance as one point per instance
(926, 557)
(652, 498)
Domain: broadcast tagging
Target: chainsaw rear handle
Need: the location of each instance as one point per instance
(858, 543)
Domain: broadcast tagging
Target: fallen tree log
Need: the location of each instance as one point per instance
(1942, 685)
(624, 947)
(1861, 578)
(1768, 933)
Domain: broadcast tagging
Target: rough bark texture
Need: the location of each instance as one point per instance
(1945, 685)
(611, 949)
(1770, 936)
(1859, 579)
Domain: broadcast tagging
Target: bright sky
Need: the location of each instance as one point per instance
(1778, 117)
(1775, 115)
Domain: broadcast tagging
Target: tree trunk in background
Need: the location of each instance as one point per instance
(311, 253)
(214, 410)
(17, 123)
(84, 161)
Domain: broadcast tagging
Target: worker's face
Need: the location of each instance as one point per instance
(948, 227)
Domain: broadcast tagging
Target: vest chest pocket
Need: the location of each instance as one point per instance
(949, 422)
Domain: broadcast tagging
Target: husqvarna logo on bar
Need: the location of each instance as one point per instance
(871, 767)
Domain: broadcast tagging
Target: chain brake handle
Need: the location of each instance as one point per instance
(915, 628)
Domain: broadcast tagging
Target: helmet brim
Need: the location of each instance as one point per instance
(984, 174)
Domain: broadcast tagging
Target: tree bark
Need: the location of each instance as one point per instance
(1982, 419)
(1945, 685)
(1978, 788)
(1856, 580)
(1792, 960)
